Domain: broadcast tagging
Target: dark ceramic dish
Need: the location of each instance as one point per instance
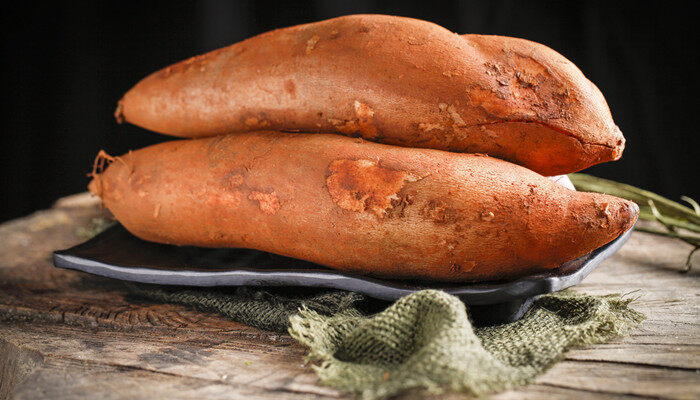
(116, 253)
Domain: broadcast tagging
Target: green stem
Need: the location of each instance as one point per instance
(692, 240)
(645, 213)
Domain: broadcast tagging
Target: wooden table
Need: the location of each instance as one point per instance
(66, 334)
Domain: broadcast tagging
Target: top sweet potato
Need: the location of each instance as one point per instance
(392, 80)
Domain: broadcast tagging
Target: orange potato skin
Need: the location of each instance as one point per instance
(358, 206)
(391, 80)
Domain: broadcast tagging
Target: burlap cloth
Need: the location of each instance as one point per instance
(424, 340)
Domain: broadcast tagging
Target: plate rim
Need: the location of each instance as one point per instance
(471, 293)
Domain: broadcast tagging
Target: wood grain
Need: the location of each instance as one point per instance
(67, 335)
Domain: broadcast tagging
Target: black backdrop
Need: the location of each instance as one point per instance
(64, 68)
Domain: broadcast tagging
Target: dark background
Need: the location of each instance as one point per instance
(64, 68)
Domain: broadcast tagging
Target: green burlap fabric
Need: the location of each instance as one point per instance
(424, 340)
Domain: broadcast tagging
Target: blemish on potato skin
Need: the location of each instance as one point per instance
(399, 206)
(427, 127)
(363, 29)
(268, 202)
(311, 43)
(487, 216)
(605, 215)
(362, 185)
(196, 63)
(233, 181)
(414, 41)
(455, 268)
(290, 88)
(228, 199)
(139, 183)
(463, 267)
(253, 122)
(451, 110)
(439, 212)
(362, 124)
(363, 111)
(456, 118)
(524, 89)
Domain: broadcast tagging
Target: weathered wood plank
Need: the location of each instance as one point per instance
(613, 378)
(66, 335)
(239, 363)
(662, 355)
(16, 365)
(70, 379)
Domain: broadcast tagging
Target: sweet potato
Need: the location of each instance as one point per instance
(391, 80)
(358, 206)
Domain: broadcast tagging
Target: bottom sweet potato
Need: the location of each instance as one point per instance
(357, 206)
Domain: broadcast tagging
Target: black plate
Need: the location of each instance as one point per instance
(115, 253)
